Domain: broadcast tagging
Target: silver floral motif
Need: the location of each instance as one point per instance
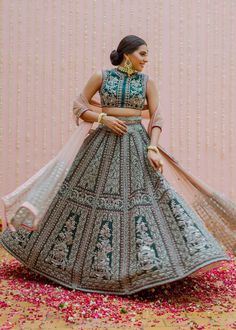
(58, 256)
(102, 255)
(116, 225)
(192, 235)
(146, 254)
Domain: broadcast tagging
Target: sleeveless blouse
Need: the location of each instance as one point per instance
(118, 90)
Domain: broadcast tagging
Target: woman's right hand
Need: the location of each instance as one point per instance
(116, 125)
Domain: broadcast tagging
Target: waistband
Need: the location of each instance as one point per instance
(130, 119)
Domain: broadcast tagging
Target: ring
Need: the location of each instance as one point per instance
(161, 162)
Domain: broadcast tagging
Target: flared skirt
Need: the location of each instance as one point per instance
(116, 225)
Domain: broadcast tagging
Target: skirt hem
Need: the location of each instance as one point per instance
(128, 292)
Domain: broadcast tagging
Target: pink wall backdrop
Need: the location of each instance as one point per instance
(49, 48)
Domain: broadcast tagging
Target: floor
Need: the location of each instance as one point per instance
(29, 301)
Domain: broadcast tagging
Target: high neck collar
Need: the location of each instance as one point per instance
(119, 69)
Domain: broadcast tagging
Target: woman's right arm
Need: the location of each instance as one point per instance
(81, 106)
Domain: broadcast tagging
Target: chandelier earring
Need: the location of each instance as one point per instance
(128, 67)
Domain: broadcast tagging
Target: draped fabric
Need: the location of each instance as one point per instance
(28, 203)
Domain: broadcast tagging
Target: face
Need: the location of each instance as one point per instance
(139, 57)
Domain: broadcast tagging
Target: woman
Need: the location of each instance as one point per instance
(104, 217)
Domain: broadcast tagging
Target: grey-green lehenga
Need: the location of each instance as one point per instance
(104, 220)
(116, 225)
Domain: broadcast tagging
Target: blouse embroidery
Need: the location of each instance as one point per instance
(121, 91)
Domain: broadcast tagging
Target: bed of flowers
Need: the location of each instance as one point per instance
(216, 287)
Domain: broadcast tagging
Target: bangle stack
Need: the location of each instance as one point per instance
(100, 117)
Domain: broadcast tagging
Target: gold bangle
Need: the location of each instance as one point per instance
(103, 118)
(100, 117)
(154, 148)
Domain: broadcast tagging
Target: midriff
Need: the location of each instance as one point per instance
(122, 112)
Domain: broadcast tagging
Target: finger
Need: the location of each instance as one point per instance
(114, 129)
(122, 123)
(120, 130)
(122, 127)
(161, 168)
(156, 164)
(11, 227)
(161, 162)
(117, 133)
(152, 164)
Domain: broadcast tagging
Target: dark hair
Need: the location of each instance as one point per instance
(127, 45)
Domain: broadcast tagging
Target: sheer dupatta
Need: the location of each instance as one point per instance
(29, 202)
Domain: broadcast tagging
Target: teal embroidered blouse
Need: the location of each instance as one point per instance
(118, 90)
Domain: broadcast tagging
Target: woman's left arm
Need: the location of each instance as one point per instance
(156, 120)
(155, 125)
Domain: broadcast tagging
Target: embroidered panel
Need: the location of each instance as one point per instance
(116, 225)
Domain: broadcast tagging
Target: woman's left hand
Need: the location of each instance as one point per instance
(155, 160)
(10, 226)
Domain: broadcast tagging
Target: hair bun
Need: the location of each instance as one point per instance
(115, 57)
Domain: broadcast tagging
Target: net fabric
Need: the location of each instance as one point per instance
(216, 210)
(31, 200)
(156, 120)
(33, 197)
(81, 105)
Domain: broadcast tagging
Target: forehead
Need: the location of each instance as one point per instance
(143, 48)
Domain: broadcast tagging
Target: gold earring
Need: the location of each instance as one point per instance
(128, 67)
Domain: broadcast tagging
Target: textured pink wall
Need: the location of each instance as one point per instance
(49, 48)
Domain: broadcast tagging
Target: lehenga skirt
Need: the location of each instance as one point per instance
(116, 225)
